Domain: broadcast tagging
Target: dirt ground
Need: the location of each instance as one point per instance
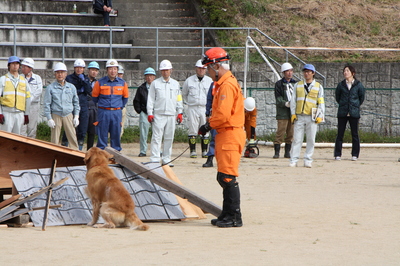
(336, 213)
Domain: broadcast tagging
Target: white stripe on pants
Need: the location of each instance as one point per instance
(163, 127)
(304, 122)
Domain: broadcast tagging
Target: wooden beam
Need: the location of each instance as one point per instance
(170, 185)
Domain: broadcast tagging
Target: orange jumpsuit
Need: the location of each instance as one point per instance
(228, 119)
(250, 120)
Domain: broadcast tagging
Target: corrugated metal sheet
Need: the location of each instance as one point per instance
(152, 201)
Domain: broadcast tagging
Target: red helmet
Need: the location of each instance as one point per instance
(215, 55)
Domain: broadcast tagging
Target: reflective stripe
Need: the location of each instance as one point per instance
(15, 96)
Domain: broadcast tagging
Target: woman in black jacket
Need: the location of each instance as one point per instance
(350, 94)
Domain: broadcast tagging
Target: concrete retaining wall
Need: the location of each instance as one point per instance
(380, 111)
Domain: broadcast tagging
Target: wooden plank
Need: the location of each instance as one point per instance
(188, 208)
(170, 185)
(25, 210)
(9, 200)
(46, 209)
(19, 151)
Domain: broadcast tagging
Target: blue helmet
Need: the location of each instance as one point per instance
(150, 71)
(94, 64)
(309, 67)
(13, 59)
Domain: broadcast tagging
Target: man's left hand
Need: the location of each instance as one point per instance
(179, 118)
(76, 121)
(26, 119)
(318, 120)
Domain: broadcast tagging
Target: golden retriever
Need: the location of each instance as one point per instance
(109, 197)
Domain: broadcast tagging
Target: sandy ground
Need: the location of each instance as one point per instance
(336, 213)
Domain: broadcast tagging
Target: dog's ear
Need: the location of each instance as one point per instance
(87, 156)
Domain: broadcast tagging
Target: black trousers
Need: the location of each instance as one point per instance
(342, 122)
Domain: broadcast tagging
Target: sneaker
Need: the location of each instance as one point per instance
(307, 164)
(337, 158)
(114, 12)
(354, 158)
(293, 164)
(142, 155)
(193, 154)
(204, 154)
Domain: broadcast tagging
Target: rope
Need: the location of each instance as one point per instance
(149, 170)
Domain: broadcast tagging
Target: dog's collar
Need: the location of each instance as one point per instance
(97, 165)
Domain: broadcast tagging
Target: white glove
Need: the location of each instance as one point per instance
(51, 123)
(76, 121)
(287, 104)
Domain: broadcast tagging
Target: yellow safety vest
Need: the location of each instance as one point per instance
(305, 103)
(15, 96)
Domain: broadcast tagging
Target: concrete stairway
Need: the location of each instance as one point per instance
(93, 42)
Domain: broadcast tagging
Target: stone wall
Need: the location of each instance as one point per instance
(380, 111)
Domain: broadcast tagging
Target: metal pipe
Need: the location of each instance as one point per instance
(345, 145)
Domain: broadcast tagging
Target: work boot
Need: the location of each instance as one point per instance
(204, 146)
(220, 218)
(192, 146)
(209, 162)
(230, 220)
(277, 148)
(80, 145)
(287, 150)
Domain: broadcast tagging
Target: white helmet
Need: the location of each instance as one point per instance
(249, 104)
(28, 62)
(165, 65)
(60, 67)
(121, 70)
(286, 66)
(79, 63)
(112, 63)
(199, 64)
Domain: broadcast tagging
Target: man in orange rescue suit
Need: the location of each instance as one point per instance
(111, 94)
(228, 119)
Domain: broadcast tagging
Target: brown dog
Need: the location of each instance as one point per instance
(109, 197)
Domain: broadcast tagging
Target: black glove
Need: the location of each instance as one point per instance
(204, 129)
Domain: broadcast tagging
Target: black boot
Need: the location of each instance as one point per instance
(192, 146)
(277, 148)
(204, 146)
(231, 220)
(287, 150)
(209, 162)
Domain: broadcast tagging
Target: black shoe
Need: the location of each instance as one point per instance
(230, 221)
(209, 162)
(277, 148)
(287, 150)
(214, 221)
(142, 155)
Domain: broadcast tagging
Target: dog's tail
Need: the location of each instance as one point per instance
(134, 222)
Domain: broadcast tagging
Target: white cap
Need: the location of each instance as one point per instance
(249, 104)
(28, 62)
(199, 64)
(79, 63)
(165, 65)
(112, 63)
(286, 66)
(121, 70)
(60, 67)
